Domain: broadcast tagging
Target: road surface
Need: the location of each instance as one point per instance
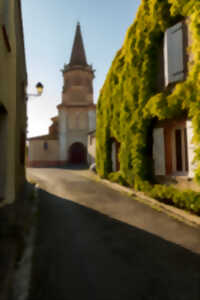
(96, 243)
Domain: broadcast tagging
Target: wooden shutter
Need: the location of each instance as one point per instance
(173, 54)
(159, 151)
(191, 149)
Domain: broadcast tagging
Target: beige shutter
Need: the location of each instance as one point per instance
(191, 149)
(173, 54)
(159, 151)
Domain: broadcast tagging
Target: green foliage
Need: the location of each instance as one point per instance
(129, 103)
(188, 199)
(117, 177)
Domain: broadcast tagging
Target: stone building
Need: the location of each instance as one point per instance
(68, 135)
(12, 134)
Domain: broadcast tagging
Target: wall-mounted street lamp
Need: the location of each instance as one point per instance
(39, 87)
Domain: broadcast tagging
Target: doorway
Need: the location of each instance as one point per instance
(77, 154)
(180, 160)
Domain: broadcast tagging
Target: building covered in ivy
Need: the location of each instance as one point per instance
(148, 117)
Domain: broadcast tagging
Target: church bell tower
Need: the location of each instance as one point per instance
(77, 112)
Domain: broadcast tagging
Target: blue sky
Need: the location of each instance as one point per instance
(49, 28)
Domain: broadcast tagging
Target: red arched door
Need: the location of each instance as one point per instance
(77, 154)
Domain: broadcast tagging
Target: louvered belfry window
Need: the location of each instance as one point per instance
(174, 54)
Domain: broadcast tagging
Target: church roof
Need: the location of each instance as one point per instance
(78, 56)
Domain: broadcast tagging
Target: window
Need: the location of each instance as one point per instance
(45, 145)
(181, 152)
(174, 54)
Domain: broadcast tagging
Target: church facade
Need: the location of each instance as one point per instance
(68, 135)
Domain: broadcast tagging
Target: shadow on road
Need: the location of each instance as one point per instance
(83, 254)
(75, 167)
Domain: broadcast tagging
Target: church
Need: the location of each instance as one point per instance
(66, 142)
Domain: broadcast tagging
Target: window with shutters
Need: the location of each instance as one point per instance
(174, 54)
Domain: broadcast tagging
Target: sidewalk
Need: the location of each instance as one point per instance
(172, 211)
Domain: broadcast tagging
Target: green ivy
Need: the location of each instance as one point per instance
(128, 103)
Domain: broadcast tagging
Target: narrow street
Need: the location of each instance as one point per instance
(96, 243)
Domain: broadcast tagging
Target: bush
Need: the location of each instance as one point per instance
(117, 177)
(188, 199)
(168, 194)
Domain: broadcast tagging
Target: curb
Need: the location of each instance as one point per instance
(174, 212)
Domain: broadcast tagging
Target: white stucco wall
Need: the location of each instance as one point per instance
(63, 135)
(38, 153)
(77, 136)
(91, 149)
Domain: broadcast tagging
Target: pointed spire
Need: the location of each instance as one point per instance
(78, 56)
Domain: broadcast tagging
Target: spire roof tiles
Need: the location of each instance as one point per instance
(78, 56)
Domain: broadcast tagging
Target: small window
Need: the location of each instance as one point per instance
(45, 146)
(181, 152)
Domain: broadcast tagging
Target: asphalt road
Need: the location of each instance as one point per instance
(96, 243)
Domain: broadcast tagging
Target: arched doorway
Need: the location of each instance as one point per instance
(77, 154)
